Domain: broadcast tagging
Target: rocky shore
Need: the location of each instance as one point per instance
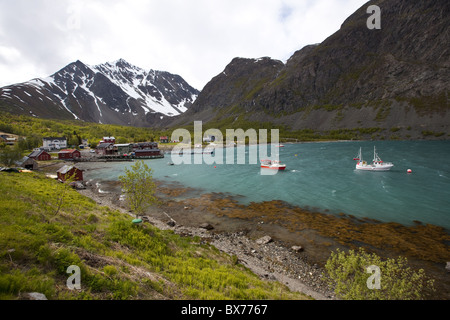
(301, 240)
(266, 257)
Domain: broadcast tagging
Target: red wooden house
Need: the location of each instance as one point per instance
(40, 155)
(69, 154)
(108, 140)
(70, 172)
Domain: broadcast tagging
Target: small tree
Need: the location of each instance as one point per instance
(61, 196)
(351, 276)
(10, 155)
(139, 188)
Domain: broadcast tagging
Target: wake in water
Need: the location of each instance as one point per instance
(441, 174)
(384, 186)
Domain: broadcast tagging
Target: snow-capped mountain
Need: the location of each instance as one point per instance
(110, 93)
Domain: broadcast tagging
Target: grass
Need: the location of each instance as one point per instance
(118, 260)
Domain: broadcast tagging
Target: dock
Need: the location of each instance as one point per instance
(118, 158)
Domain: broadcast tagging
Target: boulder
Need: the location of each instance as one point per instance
(34, 296)
(297, 248)
(206, 226)
(171, 223)
(77, 185)
(264, 240)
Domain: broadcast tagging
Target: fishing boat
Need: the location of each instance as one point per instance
(376, 165)
(272, 164)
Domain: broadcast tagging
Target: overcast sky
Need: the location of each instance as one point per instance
(193, 38)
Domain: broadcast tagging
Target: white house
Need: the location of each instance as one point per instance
(54, 143)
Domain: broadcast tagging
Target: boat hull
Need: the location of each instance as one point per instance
(280, 168)
(369, 167)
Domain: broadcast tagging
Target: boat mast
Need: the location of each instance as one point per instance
(376, 158)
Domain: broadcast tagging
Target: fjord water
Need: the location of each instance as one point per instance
(322, 177)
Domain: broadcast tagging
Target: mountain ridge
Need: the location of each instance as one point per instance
(396, 78)
(394, 81)
(112, 93)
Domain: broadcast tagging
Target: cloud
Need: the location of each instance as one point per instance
(193, 38)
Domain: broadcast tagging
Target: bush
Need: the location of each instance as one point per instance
(349, 275)
(64, 258)
(17, 281)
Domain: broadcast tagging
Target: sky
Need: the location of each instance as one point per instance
(195, 39)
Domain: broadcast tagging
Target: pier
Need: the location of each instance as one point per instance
(118, 158)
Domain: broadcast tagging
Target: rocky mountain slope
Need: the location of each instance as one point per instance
(396, 78)
(113, 93)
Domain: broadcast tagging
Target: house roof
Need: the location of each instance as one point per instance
(52, 138)
(67, 169)
(143, 144)
(68, 151)
(36, 153)
(24, 160)
(104, 145)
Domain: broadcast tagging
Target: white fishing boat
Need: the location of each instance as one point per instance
(272, 164)
(376, 165)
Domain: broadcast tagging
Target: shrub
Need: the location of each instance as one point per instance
(110, 270)
(348, 274)
(17, 281)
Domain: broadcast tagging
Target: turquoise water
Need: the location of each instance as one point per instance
(322, 176)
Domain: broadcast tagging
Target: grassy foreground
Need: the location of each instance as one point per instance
(118, 260)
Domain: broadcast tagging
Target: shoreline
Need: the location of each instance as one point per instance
(271, 261)
(235, 230)
(237, 227)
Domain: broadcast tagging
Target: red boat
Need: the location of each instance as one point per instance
(272, 164)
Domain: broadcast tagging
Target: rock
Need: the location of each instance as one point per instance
(206, 226)
(297, 248)
(171, 223)
(264, 240)
(447, 267)
(77, 185)
(34, 296)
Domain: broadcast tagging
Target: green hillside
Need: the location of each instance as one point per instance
(118, 260)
